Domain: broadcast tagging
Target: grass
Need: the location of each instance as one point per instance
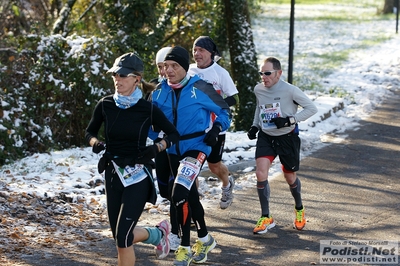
(363, 3)
(339, 10)
(327, 64)
(348, 12)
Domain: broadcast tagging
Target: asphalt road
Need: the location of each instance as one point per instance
(351, 191)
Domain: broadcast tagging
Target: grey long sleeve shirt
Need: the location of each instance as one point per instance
(281, 100)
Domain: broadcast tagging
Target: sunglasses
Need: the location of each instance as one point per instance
(122, 75)
(267, 73)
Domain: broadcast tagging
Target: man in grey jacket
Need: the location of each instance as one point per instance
(275, 120)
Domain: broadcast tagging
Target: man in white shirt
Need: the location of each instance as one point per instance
(205, 53)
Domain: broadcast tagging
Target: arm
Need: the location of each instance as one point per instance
(256, 118)
(309, 108)
(228, 88)
(252, 133)
(162, 122)
(223, 119)
(216, 104)
(94, 124)
(171, 136)
(232, 100)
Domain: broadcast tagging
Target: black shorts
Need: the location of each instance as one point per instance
(287, 147)
(217, 150)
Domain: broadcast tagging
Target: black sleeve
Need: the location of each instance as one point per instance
(161, 121)
(230, 100)
(95, 122)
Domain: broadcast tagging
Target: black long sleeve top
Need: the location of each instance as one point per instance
(126, 130)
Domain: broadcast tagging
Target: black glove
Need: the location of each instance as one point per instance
(211, 137)
(251, 134)
(281, 122)
(98, 147)
(149, 153)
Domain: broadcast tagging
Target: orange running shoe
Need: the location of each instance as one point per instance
(263, 224)
(300, 220)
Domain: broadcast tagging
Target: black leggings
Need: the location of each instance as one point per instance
(164, 174)
(187, 203)
(165, 181)
(124, 205)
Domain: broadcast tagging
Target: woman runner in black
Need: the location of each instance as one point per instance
(127, 161)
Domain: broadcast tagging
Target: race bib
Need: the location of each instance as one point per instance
(267, 112)
(130, 175)
(188, 170)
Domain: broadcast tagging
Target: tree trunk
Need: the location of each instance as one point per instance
(388, 7)
(243, 55)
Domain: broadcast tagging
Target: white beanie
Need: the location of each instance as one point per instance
(161, 54)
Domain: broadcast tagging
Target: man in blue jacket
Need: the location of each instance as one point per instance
(188, 102)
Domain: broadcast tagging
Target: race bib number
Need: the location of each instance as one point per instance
(130, 175)
(188, 170)
(267, 112)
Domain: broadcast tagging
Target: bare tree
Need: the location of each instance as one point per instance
(61, 22)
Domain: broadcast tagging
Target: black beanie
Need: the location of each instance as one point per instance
(207, 43)
(179, 55)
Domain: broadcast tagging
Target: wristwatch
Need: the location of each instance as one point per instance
(292, 120)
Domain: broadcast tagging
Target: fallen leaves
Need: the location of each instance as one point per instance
(29, 222)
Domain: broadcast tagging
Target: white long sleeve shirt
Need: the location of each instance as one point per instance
(218, 76)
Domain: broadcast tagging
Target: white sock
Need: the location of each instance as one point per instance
(228, 186)
(204, 239)
(188, 248)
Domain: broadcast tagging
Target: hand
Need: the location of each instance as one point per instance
(98, 147)
(281, 122)
(211, 137)
(251, 134)
(149, 153)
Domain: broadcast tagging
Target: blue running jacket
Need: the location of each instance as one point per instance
(191, 113)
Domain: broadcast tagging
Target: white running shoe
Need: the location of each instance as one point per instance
(227, 194)
(174, 241)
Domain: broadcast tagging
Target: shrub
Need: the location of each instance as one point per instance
(48, 91)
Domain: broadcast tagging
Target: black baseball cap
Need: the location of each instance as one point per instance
(126, 64)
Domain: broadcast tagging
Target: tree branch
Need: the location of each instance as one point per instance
(92, 4)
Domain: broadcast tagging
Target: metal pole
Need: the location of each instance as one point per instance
(291, 43)
(397, 16)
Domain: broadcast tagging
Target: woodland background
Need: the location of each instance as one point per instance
(54, 55)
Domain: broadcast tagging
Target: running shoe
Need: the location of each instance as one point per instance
(162, 249)
(300, 220)
(183, 257)
(201, 249)
(174, 241)
(263, 224)
(227, 194)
